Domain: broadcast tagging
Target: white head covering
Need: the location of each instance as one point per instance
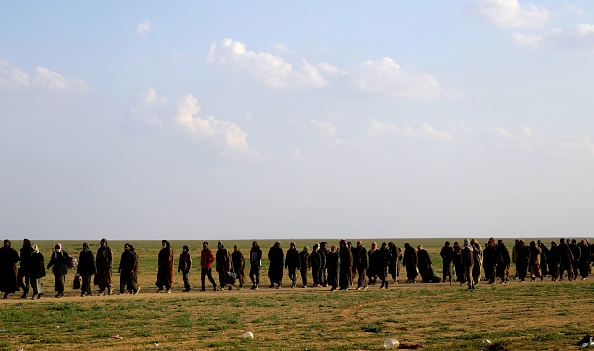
(467, 244)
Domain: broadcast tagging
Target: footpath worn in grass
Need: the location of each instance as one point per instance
(522, 316)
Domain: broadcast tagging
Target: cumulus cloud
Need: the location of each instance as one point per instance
(378, 129)
(13, 78)
(511, 14)
(222, 133)
(143, 28)
(271, 71)
(387, 77)
(581, 36)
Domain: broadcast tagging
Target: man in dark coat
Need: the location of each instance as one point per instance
(166, 268)
(424, 264)
(373, 265)
(255, 264)
(224, 264)
(126, 270)
(409, 260)
(104, 264)
(332, 266)
(544, 259)
(292, 263)
(576, 252)
(346, 266)
(468, 259)
(554, 259)
(23, 272)
(383, 262)
(36, 271)
(584, 263)
(238, 262)
(393, 269)
(8, 271)
(459, 264)
(276, 257)
(323, 250)
(59, 261)
(86, 269)
(353, 269)
(447, 256)
(305, 264)
(185, 266)
(566, 257)
(316, 266)
(135, 271)
(523, 253)
(490, 261)
(360, 262)
(503, 262)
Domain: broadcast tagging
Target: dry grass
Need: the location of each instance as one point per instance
(528, 316)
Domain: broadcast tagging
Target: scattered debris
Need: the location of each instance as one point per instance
(494, 347)
(411, 346)
(371, 329)
(117, 336)
(2, 330)
(586, 340)
(391, 343)
(156, 344)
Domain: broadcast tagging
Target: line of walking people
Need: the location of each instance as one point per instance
(339, 266)
(470, 261)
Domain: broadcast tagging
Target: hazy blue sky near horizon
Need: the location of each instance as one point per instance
(192, 120)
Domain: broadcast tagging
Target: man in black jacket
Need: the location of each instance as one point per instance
(292, 263)
(346, 264)
(361, 264)
(255, 263)
(126, 270)
(86, 268)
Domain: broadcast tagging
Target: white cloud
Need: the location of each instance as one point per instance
(584, 29)
(328, 68)
(150, 97)
(270, 70)
(13, 78)
(512, 14)
(387, 77)
(581, 36)
(323, 129)
(378, 129)
(578, 10)
(283, 49)
(528, 40)
(225, 134)
(143, 28)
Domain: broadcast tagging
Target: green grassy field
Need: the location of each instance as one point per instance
(528, 316)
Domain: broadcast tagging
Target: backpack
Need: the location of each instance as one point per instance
(72, 263)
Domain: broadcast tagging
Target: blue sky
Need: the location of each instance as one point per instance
(296, 120)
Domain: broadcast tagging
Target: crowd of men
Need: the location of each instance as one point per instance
(338, 267)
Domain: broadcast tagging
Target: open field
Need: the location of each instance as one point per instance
(528, 316)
